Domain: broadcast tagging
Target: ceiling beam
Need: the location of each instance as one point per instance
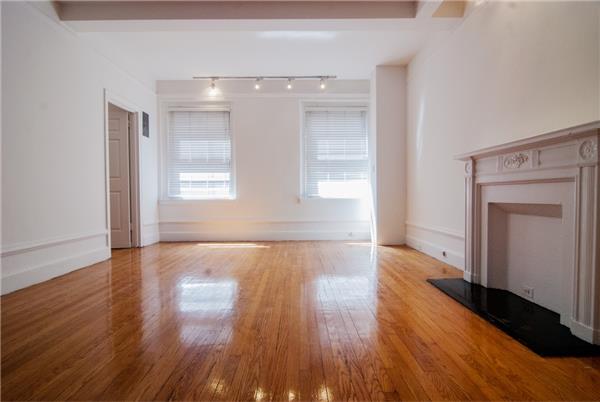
(232, 10)
(426, 8)
(441, 9)
(451, 9)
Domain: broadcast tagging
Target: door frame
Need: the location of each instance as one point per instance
(135, 115)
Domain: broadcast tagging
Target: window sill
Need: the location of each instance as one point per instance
(176, 201)
(328, 199)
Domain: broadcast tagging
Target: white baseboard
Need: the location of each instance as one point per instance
(150, 234)
(263, 231)
(23, 267)
(441, 244)
(469, 277)
(261, 236)
(396, 241)
(585, 332)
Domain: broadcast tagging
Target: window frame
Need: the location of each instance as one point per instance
(194, 107)
(353, 106)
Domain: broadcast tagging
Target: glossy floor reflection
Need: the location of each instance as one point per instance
(267, 321)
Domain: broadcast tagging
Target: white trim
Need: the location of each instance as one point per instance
(437, 229)
(454, 258)
(121, 101)
(38, 262)
(469, 277)
(53, 269)
(134, 177)
(261, 221)
(333, 106)
(274, 235)
(224, 229)
(198, 201)
(24, 247)
(584, 332)
(150, 234)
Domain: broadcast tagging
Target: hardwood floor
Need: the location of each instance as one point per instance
(267, 321)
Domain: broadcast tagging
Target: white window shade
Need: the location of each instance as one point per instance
(336, 160)
(199, 155)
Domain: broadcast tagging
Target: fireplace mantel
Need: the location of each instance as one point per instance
(564, 156)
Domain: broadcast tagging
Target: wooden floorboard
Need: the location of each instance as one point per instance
(267, 321)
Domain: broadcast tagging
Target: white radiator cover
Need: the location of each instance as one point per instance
(553, 175)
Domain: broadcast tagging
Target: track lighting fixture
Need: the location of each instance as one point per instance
(258, 80)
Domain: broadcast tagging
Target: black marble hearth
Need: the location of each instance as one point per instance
(534, 326)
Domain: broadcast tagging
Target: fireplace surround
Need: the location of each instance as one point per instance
(532, 210)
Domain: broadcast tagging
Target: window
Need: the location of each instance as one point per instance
(199, 159)
(336, 160)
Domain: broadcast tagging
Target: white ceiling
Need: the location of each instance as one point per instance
(173, 50)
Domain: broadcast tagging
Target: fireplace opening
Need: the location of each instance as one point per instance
(525, 251)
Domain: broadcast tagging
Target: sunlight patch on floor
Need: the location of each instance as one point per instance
(232, 245)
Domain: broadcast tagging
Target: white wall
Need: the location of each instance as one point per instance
(510, 71)
(388, 135)
(266, 130)
(53, 148)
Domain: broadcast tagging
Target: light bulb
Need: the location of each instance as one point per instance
(289, 84)
(257, 84)
(322, 86)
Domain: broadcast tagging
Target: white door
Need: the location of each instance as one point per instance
(118, 149)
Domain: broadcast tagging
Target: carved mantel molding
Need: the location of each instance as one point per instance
(568, 155)
(515, 160)
(588, 149)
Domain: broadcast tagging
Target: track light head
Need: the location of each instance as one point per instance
(257, 83)
(289, 84)
(322, 85)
